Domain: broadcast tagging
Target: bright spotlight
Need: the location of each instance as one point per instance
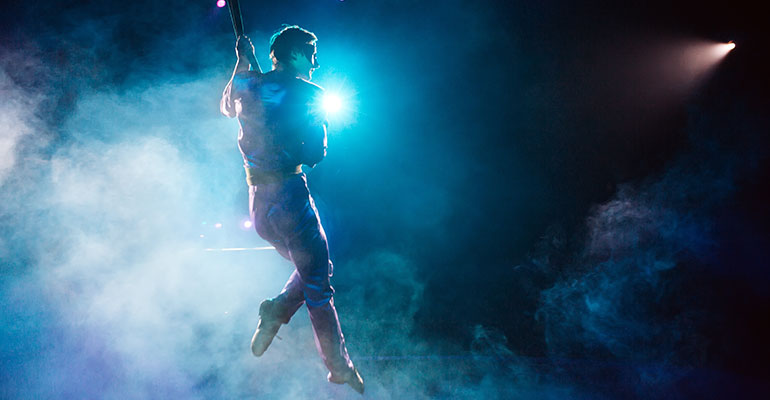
(247, 224)
(722, 49)
(332, 103)
(221, 3)
(337, 104)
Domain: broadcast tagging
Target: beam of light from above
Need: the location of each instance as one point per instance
(722, 49)
(714, 52)
(675, 67)
(221, 3)
(700, 58)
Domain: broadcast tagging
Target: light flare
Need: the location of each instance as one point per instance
(721, 49)
(332, 103)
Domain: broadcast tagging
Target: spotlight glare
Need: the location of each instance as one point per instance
(247, 224)
(722, 49)
(332, 103)
(221, 3)
(337, 104)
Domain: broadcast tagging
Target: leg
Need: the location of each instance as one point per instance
(310, 253)
(290, 299)
(294, 220)
(279, 310)
(276, 311)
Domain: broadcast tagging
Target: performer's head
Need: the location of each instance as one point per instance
(293, 49)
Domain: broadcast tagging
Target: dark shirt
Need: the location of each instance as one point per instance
(282, 125)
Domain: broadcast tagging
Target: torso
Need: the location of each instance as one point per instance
(275, 111)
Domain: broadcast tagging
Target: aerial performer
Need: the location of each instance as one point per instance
(280, 130)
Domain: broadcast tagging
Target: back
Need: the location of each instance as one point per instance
(282, 126)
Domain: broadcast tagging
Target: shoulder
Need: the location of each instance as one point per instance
(248, 75)
(246, 80)
(308, 87)
(307, 91)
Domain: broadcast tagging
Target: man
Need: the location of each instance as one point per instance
(281, 129)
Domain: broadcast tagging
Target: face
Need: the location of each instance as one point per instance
(304, 61)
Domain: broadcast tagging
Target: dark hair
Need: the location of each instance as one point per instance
(290, 38)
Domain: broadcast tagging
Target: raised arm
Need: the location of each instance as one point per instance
(246, 61)
(237, 18)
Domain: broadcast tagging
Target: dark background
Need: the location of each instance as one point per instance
(523, 161)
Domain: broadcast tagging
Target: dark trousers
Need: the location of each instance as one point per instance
(284, 214)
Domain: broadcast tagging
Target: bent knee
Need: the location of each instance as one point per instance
(317, 295)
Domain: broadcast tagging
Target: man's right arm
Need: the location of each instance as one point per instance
(245, 52)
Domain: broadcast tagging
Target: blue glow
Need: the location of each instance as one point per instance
(332, 103)
(338, 103)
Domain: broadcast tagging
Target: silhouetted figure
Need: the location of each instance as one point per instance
(281, 129)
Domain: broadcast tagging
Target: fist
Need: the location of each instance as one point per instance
(243, 47)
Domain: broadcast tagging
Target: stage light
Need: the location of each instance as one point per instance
(722, 49)
(218, 225)
(247, 224)
(332, 103)
(338, 103)
(221, 3)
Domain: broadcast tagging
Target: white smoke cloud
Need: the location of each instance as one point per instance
(136, 306)
(17, 121)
